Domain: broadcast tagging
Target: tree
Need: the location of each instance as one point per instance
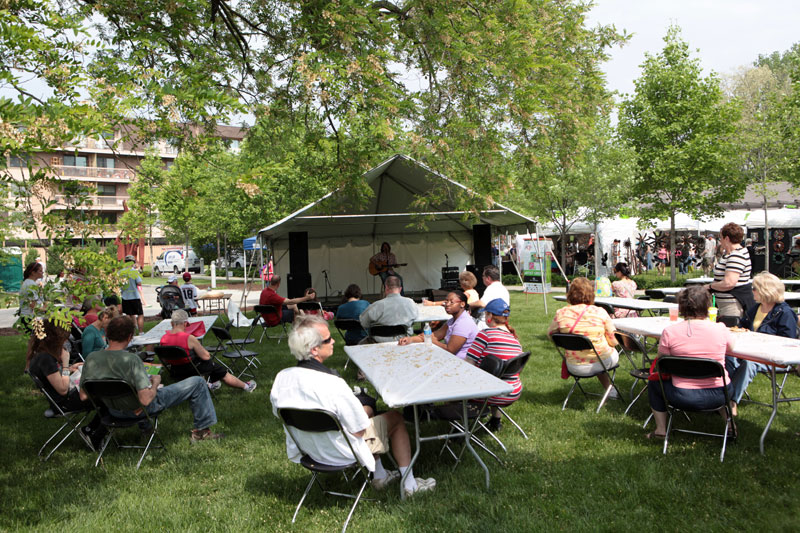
(681, 130)
(760, 143)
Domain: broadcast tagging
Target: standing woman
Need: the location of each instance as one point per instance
(28, 300)
(662, 258)
(624, 287)
(458, 333)
(732, 287)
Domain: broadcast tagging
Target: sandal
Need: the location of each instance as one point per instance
(655, 436)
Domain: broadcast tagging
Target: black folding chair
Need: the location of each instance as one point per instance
(101, 391)
(606, 307)
(267, 310)
(729, 321)
(314, 307)
(695, 368)
(500, 369)
(655, 293)
(572, 341)
(396, 331)
(72, 421)
(178, 363)
(319, 421)
(249, 357)
(634, 349)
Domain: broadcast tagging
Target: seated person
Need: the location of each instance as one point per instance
(90, 308)
(312, 385)
(498, 340)
(392, 310)
(177, 336)
(696, 336)
(327, 315)
(623, 287)
(771, 316)
(94, 335)
(494, 289)
(116, 363)
(270, 296)
(582, 317)
(468, 282)
(458, 333)
(49, 362)
(352, 309)
(113, 301)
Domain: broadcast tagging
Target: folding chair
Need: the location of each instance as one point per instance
(695, 368)
(267, 310)
(655, 293)
(314, 307)
(388, 331)
(632, 347)
(572, 341)
(318, 421)
(234, 356)
(606, 307)
(729, 321)
(178, 363)
(101, 390)
(72, 421)
(500, 368)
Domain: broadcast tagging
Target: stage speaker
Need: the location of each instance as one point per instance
(482, 244)
(297, 283)
(478, 272)
(298, 252)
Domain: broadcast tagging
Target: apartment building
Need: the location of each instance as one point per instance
(109, 164)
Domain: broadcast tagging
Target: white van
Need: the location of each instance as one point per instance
(172, 261)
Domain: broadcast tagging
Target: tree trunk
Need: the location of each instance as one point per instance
(186, 254)
(227, 260)
(150, 244)
(563, 248)
(766, 236)
(672, 274)
(596, 252)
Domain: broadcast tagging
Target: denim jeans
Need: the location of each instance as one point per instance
(698, 399)
(742, 373)
(193, 389)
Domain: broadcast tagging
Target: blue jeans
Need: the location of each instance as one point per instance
(193, 389)
(696, 399)
(742, 373)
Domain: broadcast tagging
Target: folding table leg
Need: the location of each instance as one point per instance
(417, 444)
(774, 408)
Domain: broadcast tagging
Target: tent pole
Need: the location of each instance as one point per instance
(541, 267)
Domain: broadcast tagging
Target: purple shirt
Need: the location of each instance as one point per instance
(463, 326)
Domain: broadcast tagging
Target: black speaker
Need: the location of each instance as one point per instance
(478, 272)
(298, 252)
(297, 283)
(482, 244)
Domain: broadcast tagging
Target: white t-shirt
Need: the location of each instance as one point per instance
(27, 294)
(493, 292)
(302, 388)
(189, 293)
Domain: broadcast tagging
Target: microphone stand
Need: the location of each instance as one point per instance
(327, 284)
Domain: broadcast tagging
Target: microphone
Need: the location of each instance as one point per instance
(324, 271)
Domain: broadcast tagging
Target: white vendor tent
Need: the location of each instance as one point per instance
(342, 236)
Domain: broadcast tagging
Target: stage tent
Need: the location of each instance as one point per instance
(342, 236)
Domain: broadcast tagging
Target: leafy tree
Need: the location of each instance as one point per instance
(681, 130)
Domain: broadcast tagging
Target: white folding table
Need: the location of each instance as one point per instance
(629, 303)
(424, 373)
(154, 335)
(429, 313)
(698, 281)
(770, 350)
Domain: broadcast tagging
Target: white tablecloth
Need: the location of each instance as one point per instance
(428, 313)
(154, 335)
(698, 281)
(629, 303)
(769, 349)
(422, 373)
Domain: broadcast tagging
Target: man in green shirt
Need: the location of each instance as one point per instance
(116, 363)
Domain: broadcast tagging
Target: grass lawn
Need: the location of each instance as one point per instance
(578, 471)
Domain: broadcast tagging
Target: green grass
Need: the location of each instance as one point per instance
(578, 471)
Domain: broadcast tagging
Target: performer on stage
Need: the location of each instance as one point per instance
(382, 264)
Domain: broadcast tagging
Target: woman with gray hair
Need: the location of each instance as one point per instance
(771, 316)
(218, 374)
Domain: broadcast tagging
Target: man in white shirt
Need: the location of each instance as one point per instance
(312, 385)
(494, 290)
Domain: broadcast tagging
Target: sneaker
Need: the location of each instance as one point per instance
(204, 434)
(613, 395)
(423, 485)
(214, 385)
(380, 484)
(250, 386)
(494, 425)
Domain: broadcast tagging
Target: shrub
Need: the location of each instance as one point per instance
(510, 279)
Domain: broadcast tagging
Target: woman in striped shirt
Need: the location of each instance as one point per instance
(732, 285)
(498, 340)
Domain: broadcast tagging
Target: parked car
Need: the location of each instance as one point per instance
(172, 261)
(236, 260)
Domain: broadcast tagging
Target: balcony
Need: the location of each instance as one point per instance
(112, 175)
(98, 203)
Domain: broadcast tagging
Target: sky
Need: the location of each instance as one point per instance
(728, 33)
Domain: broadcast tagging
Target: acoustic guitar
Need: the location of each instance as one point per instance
(382, 266)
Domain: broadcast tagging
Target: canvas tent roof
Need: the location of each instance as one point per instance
(395, 184)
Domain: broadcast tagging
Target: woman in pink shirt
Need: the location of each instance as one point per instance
(696, 336)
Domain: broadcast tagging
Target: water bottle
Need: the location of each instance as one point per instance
(426, 333)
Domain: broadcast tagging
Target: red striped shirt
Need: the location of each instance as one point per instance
(497, 342)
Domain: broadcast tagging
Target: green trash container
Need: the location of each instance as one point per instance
(10, 272)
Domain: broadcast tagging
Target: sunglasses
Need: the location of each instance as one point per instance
(327, 341)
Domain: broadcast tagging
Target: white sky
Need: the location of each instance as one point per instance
(727, 33)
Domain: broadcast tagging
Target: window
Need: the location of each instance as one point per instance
(106, 190)
(75, 161)
(106, 217)
(18, 161)
(105, 162)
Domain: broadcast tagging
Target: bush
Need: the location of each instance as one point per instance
(510, 279)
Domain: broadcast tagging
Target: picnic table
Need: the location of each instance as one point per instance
(629, 303)
(770, 350)
(425, 373)
(217, 302)
(154, 335)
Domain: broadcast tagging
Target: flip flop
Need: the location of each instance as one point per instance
(654, 436)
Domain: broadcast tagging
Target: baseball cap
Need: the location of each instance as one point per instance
(187, 276)
(130, 259)
(497, 307)
(172, 279)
